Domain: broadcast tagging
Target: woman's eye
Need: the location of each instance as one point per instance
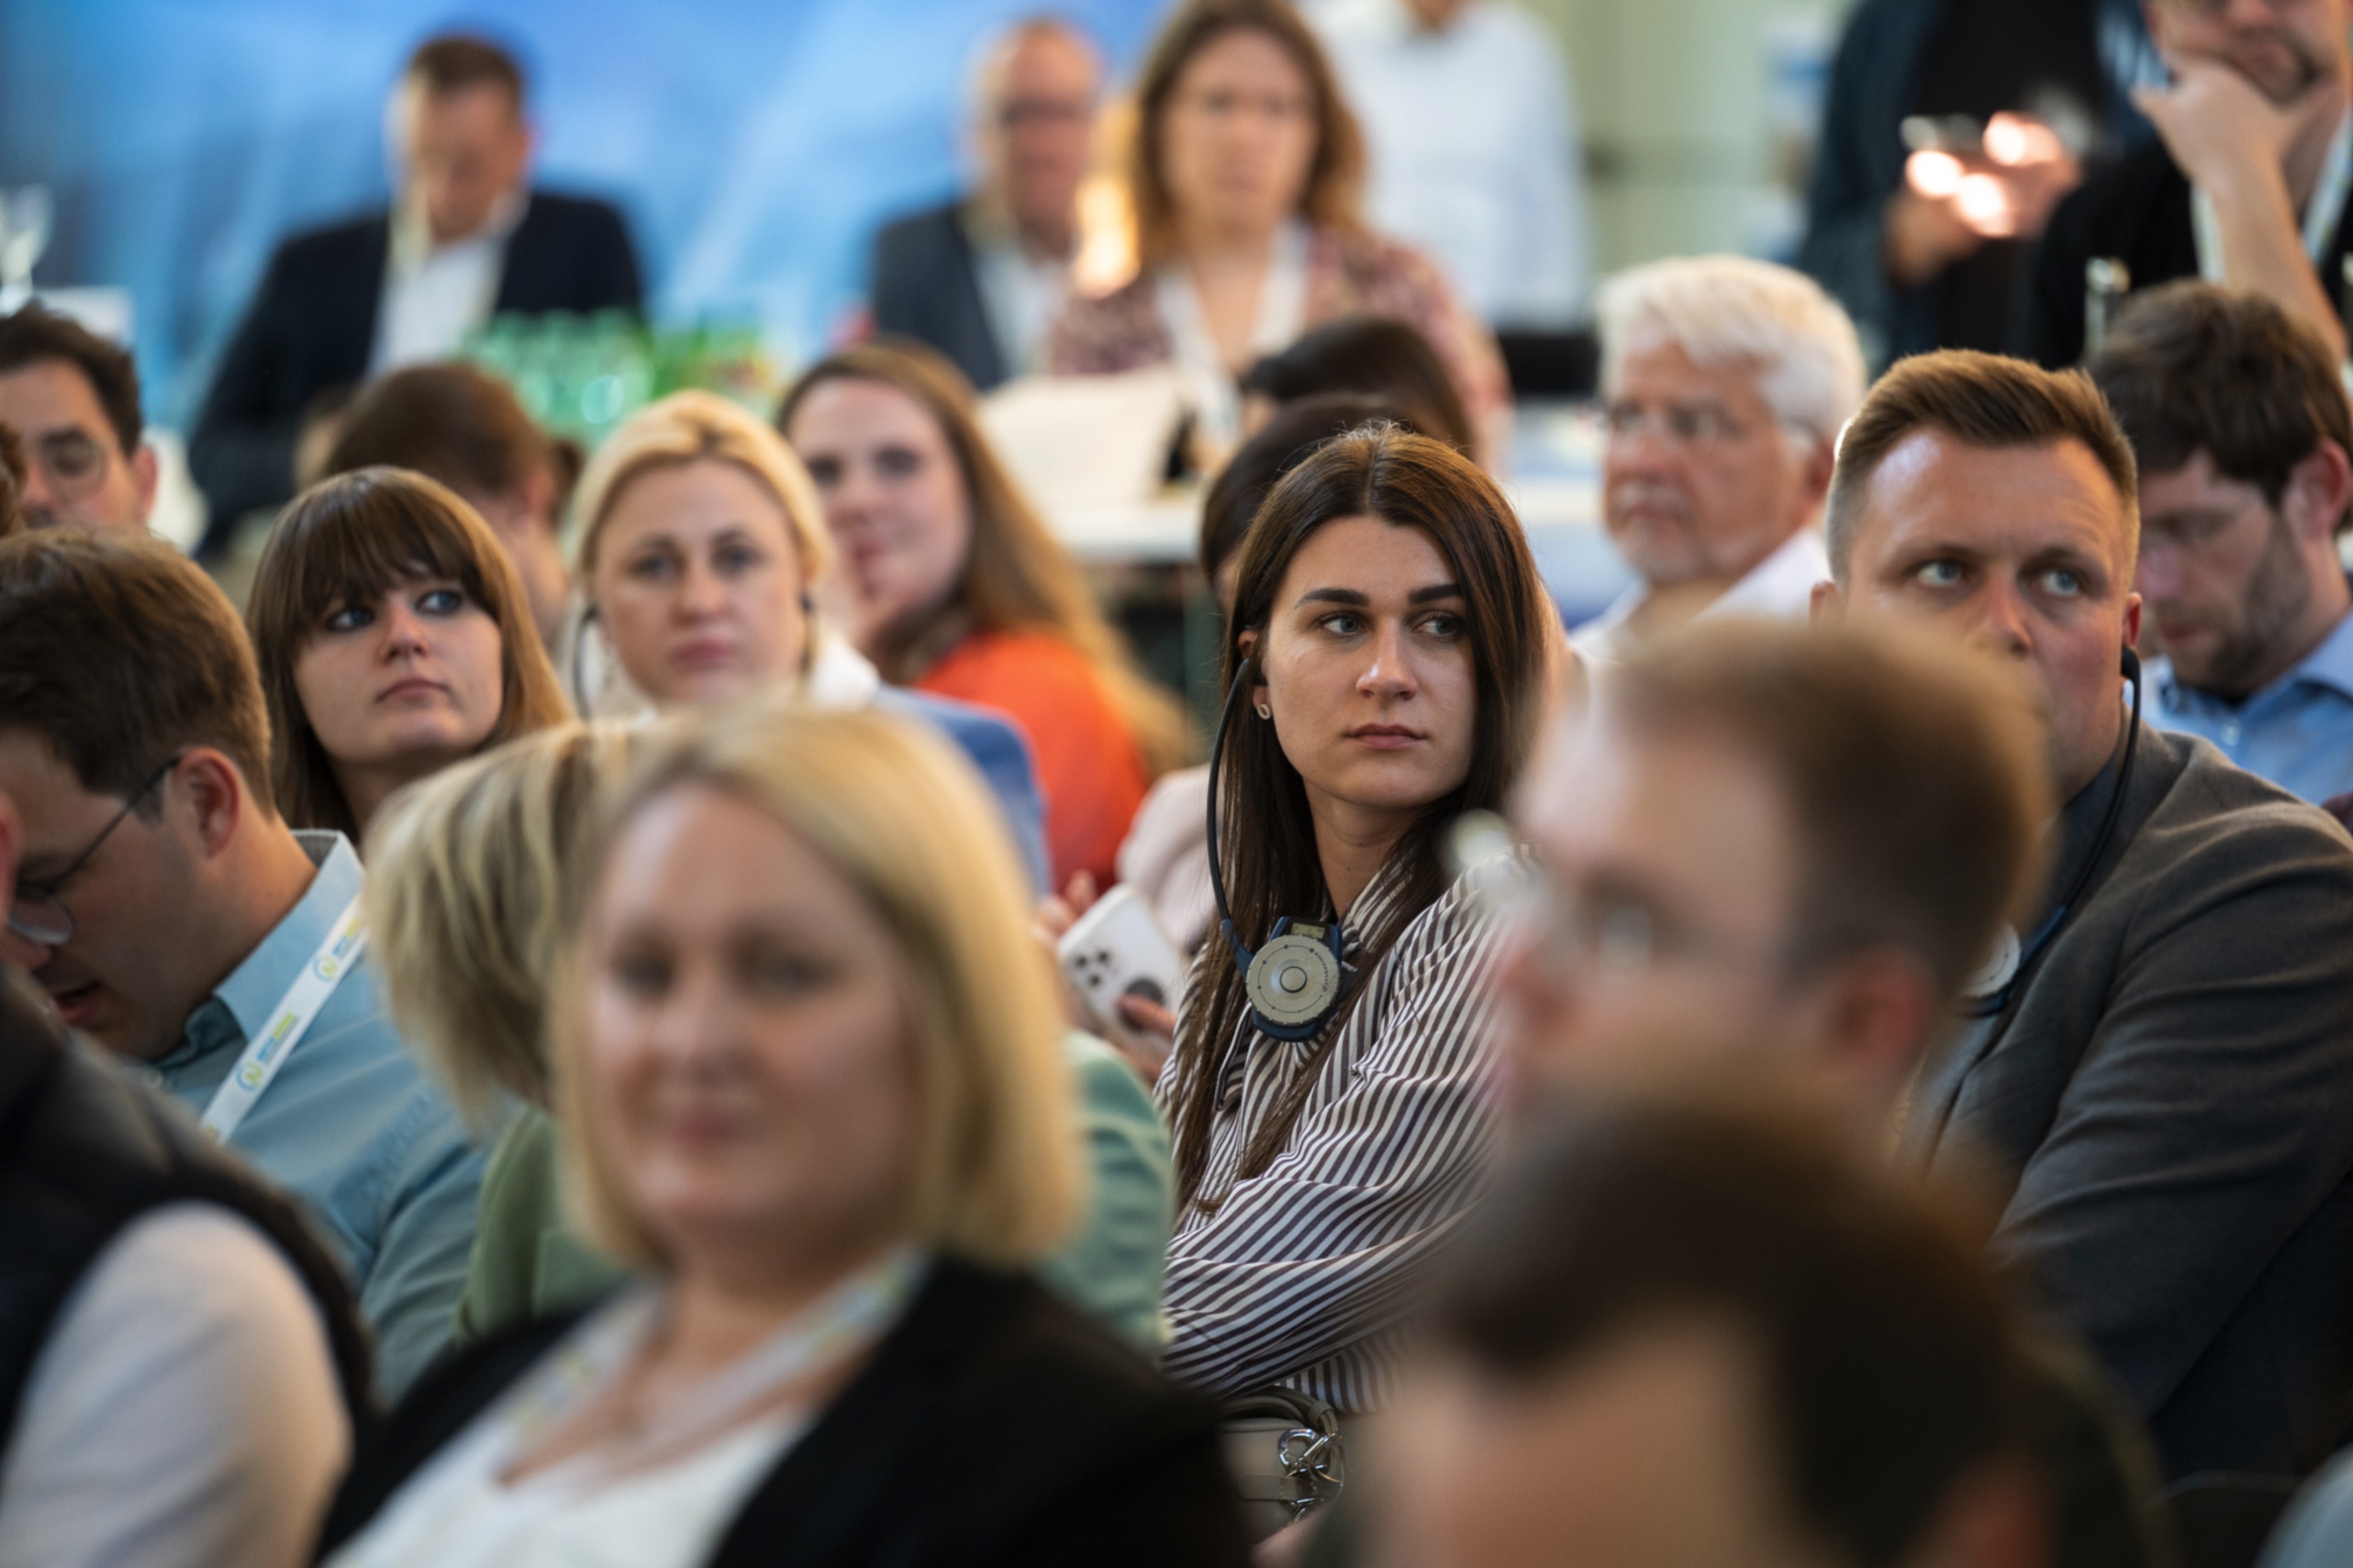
(650, 568)
(1342, 625)
(641, 975)
(349, 618)
(783, 974)
(825, 472)
(441, 601)
(898, 462)
(734, 561)
(1940, 575)
(1448, 627)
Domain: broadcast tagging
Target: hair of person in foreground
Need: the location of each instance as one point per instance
(1808, 1358)
(907, 823)
(470, 873)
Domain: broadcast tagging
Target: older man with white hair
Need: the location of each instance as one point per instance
(1727, 381)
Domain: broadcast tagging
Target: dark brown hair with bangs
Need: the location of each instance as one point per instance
(353, 538)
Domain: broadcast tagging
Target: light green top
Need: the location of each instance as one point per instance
(528, 1263)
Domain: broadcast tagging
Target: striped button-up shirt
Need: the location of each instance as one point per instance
(1305, 1274)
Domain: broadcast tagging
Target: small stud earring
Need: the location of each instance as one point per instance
(1265, 712)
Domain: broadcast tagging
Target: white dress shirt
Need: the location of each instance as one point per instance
(1778, 588)
(435, 295)
(184, 1411)
(1022, 295)
(1475, 154)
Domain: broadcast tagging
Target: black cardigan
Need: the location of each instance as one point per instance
(993, 1425)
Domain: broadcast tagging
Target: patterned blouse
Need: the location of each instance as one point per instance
(1306, 1274)
(1348, 274)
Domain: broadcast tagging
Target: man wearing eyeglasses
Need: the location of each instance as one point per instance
(169, 915)
(2246, 183)
(1725, 382)
(2158, 1064)
(72, 398)
(983, 278)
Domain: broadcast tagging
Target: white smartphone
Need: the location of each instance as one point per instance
(1117, 948)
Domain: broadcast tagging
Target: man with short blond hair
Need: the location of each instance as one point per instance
(2159, 1058)
(1725, 382)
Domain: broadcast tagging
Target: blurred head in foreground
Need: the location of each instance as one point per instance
(1777, 850)
(1701, 1336)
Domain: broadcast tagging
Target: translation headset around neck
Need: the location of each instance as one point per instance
(1295, 980)
(2001, 977)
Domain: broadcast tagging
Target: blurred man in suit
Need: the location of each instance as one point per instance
(982, 278)
(465, 238)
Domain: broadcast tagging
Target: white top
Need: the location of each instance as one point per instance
(1778, 588)
(1165, 855)
(458, 1514)
(1209, 384)
(435, 295)
(1022, 296)
(183, 1412)
(1474, 150)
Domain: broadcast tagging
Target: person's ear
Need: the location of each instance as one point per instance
(2132, 621)
(1821, 463)
(534, 495)
(1879, 1014)
(217, 795)
(1827, 606)
(1247, 643)
(144, 480)
(2318, 488)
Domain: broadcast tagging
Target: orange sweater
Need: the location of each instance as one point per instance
(1090, 771)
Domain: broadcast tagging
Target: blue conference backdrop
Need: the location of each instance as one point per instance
(754, 146)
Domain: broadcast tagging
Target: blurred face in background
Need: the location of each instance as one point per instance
(2021, 551)
(400, 685)
(746, 1048)
(2284, 46)
(76, 469)
(1037, 129)
(1701, 482)
(1237, 136)
(461, 151)
(525, 521)
(698, 585)
(894, 497)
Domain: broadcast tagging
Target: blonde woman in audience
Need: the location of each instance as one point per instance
(393, 639)
(468, 875)
(1245, 179)
(955, 587)
(701, 544)
(804, 1056)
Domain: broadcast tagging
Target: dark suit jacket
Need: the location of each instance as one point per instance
(2168, 1099)
(924, 286)
(312, 323)
(2137, 211)
(993, 1425)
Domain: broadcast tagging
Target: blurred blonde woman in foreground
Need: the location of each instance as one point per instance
(804, 1055)
(469, 875)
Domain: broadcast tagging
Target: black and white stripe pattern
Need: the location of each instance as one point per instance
(1305, 1274)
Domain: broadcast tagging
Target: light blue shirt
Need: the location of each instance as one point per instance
(350, 1125)
(2297, 732)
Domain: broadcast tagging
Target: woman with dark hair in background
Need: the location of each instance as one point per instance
(392, 638)
(1373, 356)
(1386, 669)
(1245, 182)
(465, 428)
(953, 586)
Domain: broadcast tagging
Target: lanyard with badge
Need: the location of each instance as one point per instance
(271, 1044)
(2322, 215)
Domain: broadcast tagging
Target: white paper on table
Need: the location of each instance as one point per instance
(1077, 442)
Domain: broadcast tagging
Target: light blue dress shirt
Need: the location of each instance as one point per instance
(349, 1126)
(2297, 732)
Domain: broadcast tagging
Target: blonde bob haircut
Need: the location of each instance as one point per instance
(353, 538)
(470, 873)
(905, 820)
(695, 427)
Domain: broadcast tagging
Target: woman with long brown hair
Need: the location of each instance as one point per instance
(1245, 181)
(1385, 665)
(394, 637)
(953, 586)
